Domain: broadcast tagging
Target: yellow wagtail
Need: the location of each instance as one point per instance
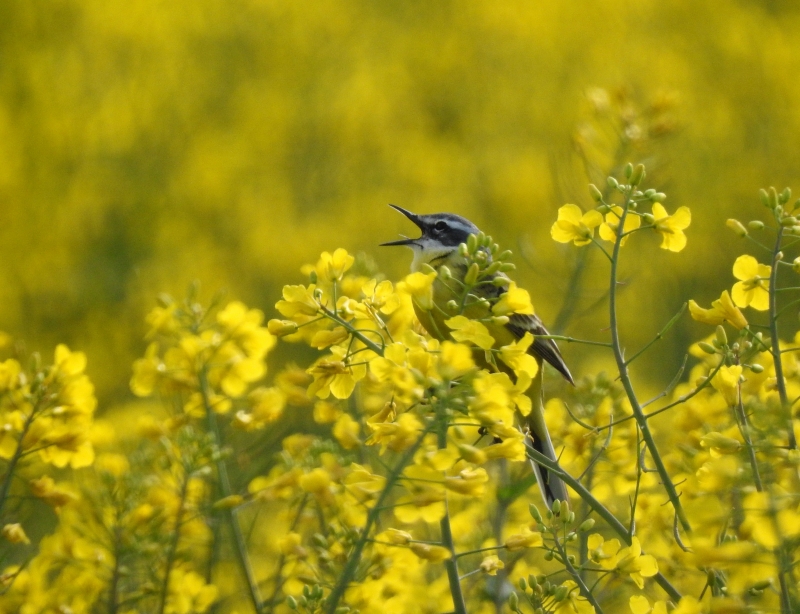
(442, 234)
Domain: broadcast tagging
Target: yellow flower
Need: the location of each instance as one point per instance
(574, 603)
(397, 436)
(298, 300)
(722, 310)
(346, 431)
(631, 561)
(753, 289)
(429, 552)
(10, 371)
(470, 331)
(317, 481)
(640, 605)
(332, 267)
(326, 412)
(726, 382)
(266, 405)
(491, 564)
(516, 356)
(396, 537)
(671, 227)
(469, 482)
(69, 363)
(718, 444)
(602, 552)
(455, 359)
(608, 229)
(420, 287)
(15, 534)
(513, 300)
(574, 225)
(189, 593)
(332, 376)
(526, 539)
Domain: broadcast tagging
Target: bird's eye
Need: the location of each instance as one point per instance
(440, 226)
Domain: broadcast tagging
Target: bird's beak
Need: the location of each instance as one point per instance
(414, 218)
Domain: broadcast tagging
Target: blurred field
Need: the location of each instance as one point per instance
(147, 144)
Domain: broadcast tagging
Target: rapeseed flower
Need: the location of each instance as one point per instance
(470, 331)
(513, 300)
(722, 310)
(574, 225)
(753, 289)
(671, 227)
(608, 229)
(419, 286)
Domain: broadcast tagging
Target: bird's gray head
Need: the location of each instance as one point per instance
(442, 233)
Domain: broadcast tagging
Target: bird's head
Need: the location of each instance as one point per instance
(442, 233)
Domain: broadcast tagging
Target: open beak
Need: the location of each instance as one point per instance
(414, 218)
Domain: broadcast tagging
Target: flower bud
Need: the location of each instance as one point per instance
(504, 255)
(507, 267)
(638, 175)
(756, 368)
(722, 338)
(472, 243)
(556, 507)
(707, 347)
(649, 193)
(291, 602)
(789, 221)
(586, 525)
(463, 250)
(513, 601)
(281, 328)
(796, 265)
(772, 195)
(472, 274)
(548, 556)
(500, 320)
(613, 183)
(452, 305)
(604, 209)
(755, 225)
(762, 194)
(785, 196)
(596, 194)
(562, 591)
(523, 584)
(737, 227)
(648, 218)
(628, 170)
(659, 197)
(535, 513)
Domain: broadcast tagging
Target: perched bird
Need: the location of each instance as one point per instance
(442, 233)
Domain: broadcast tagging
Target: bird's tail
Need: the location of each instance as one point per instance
(550, 485)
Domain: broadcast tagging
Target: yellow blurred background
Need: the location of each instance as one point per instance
(145, 144)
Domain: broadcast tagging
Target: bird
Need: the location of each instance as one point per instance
(442, 234)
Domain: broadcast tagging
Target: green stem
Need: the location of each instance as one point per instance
(601, 510)
(577, 577)
(773, 327)
(660, 335)
(336, 594)
(173, 546)
(14, 460)
(451, 564)
(744, 429)
(224, 486)
(624, 376)
(574, 340)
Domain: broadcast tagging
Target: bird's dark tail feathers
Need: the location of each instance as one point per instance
(550, 485)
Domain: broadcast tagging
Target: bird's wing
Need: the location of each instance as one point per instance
(546, 349)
